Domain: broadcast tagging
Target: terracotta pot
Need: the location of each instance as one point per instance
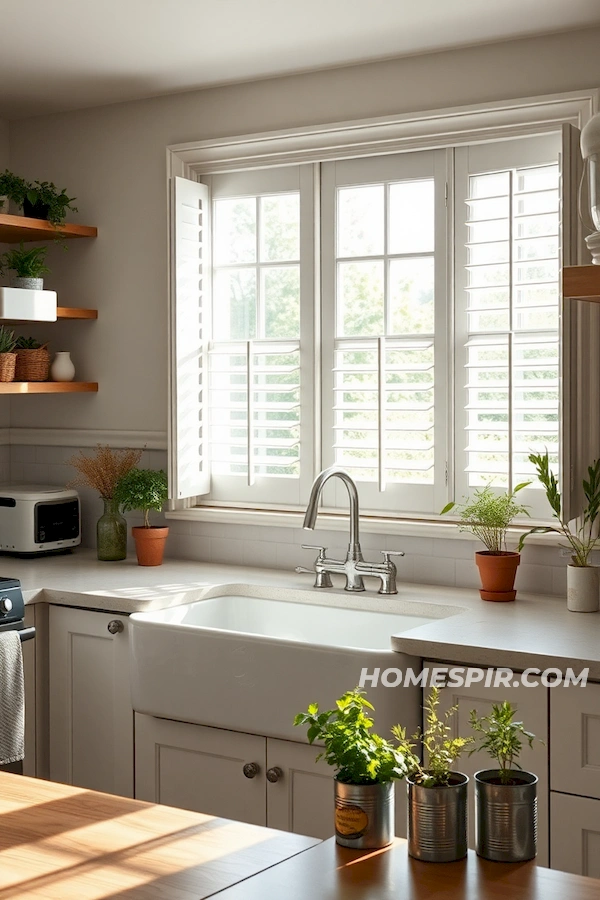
(150, 544)
(497, 572)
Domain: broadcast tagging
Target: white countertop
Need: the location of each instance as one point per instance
(535, 630)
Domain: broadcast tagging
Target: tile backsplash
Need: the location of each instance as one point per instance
(427, 561)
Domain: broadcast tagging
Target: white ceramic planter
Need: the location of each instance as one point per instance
(583, 589)
(62, 368)
(18, 303)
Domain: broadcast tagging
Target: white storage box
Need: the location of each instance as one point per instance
(19, 303)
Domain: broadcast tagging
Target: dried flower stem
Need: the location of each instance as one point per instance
(103, 470)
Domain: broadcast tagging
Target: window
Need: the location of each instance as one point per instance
(397, 315)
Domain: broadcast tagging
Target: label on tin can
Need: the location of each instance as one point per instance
(351, 821)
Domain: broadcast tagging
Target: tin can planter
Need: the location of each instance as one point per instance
(506, 816)
(364, 815)
(437, 820)
(583, 589)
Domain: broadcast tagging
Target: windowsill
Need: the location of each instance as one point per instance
(225, 515)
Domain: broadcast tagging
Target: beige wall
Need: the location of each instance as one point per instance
(113, 159)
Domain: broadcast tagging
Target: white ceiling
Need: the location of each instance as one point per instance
(66, 54)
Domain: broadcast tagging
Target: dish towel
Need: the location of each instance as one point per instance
(12, 699)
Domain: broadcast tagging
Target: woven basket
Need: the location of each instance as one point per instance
(7, 366)
(32, 365)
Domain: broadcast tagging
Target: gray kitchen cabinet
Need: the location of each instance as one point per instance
(202, 768)
(575, 834)
(532, 709)
(90, 713)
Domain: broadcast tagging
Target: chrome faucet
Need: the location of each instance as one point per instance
(354, 566)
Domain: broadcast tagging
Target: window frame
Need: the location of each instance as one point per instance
(418, 131)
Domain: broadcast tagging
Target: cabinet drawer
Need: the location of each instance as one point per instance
(575, 834)
(575, 740)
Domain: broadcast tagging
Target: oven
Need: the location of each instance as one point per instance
(12, 618)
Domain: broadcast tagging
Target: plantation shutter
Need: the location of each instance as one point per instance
(189, 474)
(581, 342)
(507, 314)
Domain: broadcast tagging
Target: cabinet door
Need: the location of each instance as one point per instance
(91, 718)
(200, 768)
(575, 736)
(575, 834)
(302, 799)
(532, 709)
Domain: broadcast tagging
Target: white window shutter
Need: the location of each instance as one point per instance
(189, 473)
(581, 343)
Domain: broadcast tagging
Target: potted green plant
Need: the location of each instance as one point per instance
(102, 471)
(145, 490)
(505, 797)
(43, 200)
(582, 577)
(366, 766)
(28, 265)
(12, 188)
(488, 516)
(7, 357)
(437, 796)
(33, 360)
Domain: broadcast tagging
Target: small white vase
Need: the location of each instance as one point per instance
(583, 589)
(62, 368)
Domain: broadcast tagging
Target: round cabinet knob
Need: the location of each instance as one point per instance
(115, 626)
(5, 604)
(274, 774)
(251, 770)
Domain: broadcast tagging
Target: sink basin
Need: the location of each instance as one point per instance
(247, 658)
(319, 625)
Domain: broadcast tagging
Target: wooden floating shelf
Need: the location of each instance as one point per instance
(582, 283)
(74, 312)
(48, 387)
(20, 228)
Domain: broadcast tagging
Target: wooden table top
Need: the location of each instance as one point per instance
(64, 843)
(329, 872)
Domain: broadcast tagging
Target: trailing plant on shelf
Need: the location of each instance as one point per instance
(441, 748)
(25, 263)
(48, 202)
(581, 539)
(7, 357)
(33, 360)
(501, 738)
(357, 755)
(487, 516)
(13, 187)
(145, 490)
(7, 340)
(505, 797)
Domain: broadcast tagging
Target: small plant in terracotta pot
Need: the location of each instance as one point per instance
(145, 489)
(488, 516)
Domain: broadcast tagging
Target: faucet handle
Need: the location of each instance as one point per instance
(388, 553)
(322, 550)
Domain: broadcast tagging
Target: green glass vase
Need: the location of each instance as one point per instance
(111, 532)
